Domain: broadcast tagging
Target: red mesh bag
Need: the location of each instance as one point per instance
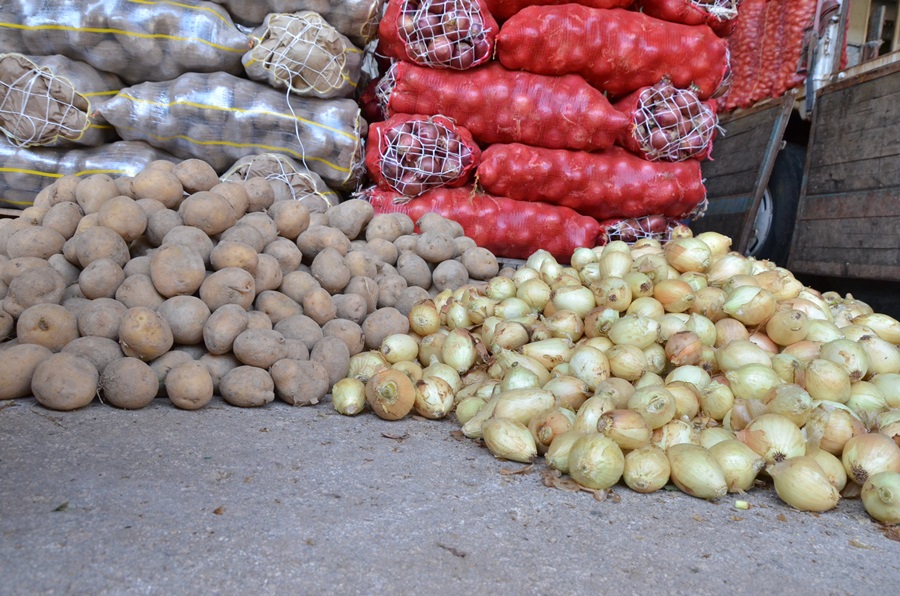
(502, 106)
(718, 14)
(507, 228)
(616, 51)
(456, 34)
(669, 124)
(630, 230)
(413, 154)
(612, 183)
(503, 9)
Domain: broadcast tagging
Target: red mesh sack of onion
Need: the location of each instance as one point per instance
(454, 34)
(668, 124)
(630, 230)
(412, 153)
(720, 15)
(503, 9)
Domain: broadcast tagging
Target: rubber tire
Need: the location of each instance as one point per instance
(784, 187)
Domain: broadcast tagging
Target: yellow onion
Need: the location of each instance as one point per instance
(398, 347)
(728, 330)
(750, 305)
(653, 265)
(590, 365)
(430, 347)
(590, 412)
(636, 330)
(804, 351)
(446, 372)
(410, 368)
(719, 244)
(601, 343)
(627, 362)
(687, 399)
(716, 400)
(646, 306)
(365, 364)
(869, 454)
(656, 358)
(613, 246)
(480, 308)
(434, 397)
(881, 497)
(684, 348)
(472, 428)
(349, 396)
(647, 246)
(831, 425)
(695, 375)
(889, 385)
(535, 293)
(566, 324)
(618, 389)
(456, 315)
(641, 285)
(578, 299)
(557, 454)
(569, 391)
(703, 327)
(536, 259)
(883, 356)
(615, 264)
(626, 427)
(548, 424)
(675, 295)
(831, 465)
(885, 326)
(762, 340)
(709, 302)
(827, 380)
(727, 266)
(468, 407)
(646, 469)
(801, 483)
(598, 321)
(548, 352)
(581, 256)
(740, 352)
(787, 326)
(791, 401)
(675, 432)
(696, 280)
(509, 439)
(523, 404)
(509, 335)
(519, 377)
(424, 318)
(596, 461)
(891, 430)
(688, 254)
(789, 368)
(743, 413)
(780, 282)
(711, 435)
(539, 331)
(550, 271)
(739, 464)
(612, 292)
(512, 308)
(670, 324)
(849, 354)
(655, 403)
(390, 394)
(752, 381)
(866, 401)
(500, 288)
(886, 418)
(812, 309)
(442, 299)
(822, 331)
(649, 380)
(774, 437)
(695, 471)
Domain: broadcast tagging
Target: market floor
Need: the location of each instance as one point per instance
(281, 500)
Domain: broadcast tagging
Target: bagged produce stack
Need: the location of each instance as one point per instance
(587, 115)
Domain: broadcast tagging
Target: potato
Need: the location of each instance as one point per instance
(236, 196)
(64, 382)
(258, 320)
(34, 214)
(228, 286)
(137, 265)
(222, 326)
(263, 224)
(257, 201)
(124, 217)
(94, 190)
(409, 298)
(291, 218)
(125, 187)
(160, 223)
(189, 386)
(61, 191)
(334, 355)
(74, 304)
(138, 290)
(72, 291)
(218, 365)
(365, 287)
(97, 243)
(317, 217)
(480, 263)
(128, 383)
(63, 218)
(37, 285)
(68, 271)
(207, 211)
(48, 325)
(17, 366)
(300, 382)
(186, 316)
(100, 318)
(150, 206)
(286, 253)
(295, 349)
(7, 325)
(317, 238)
(195, 175)
(35, 241)
(259, 347)
(384, 226)
(414, 269)
(302, 328)
(99, 350)
(390, 287)
(101, 279)
(362, 263)
(406, 243)
(259, 190)
(233, 254)
(318, 305)
(462, 244)
(192, 238)
(330, 271)
(247, 387)
(434, 222)
(268, 275)
(435, 247)
(381, 323)
(159, 184)
(348, 332)
(246, 234)
(449, 275)
(144, 333)
(8, 229)
(351, 217)
(276, 305)
(384, 250)
(350, 306)
(297, 284)
(162, 365)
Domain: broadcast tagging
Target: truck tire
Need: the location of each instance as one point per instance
(773, 228)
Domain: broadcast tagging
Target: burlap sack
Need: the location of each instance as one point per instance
(297, 181)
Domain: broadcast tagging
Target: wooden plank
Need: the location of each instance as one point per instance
(856, 176)
(844, 270)
(731, 184)
(730, 225)
(870, 204)
(824, 235)
(854, 76)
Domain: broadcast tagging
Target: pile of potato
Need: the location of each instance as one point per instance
(172, 283)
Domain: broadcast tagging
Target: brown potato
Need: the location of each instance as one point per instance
(348, 332)
(48, 325)
(390, 287)
(435, 247)
(228, 286)
(381, 323)
(150, 206)
(350, 306)
(7, 325)
(297, 284)
(144, 333)
(128, 383)
(190, 237)
(295, 349)
(35, 241)
(362, 263)
(233, 254)
(236, 196)
(195, 175)
(69, 271)
(414, 269)
(138, 290)
(207, 211)
(189, 386)
(263, 224)
(351, 217)
(162, 365)
(406, 243)
(258, 320)
(435, 222)
(63, 218)
(222, 326)
(330, 271)
(409, 298)
(124, 216)
(384, 250)
(259, 347)
(317, 238)
(259, 190)
(159, 184)
(94, 190)
(480, 263)
(65, 382)
(218, 365)
(300, 382)
(246, 234)
(276, 305)
(125, 187)
(247, 387)
(186, 316)
(449, 275)
(36, 285)
(100, 318)
(268, 275)
(334, 355)
(137, 265)
(160, 223)
(97, 243)
(101, 279)
(384, 226)
(291, 218)
(366, 287)
(286, 253)
(17, 366)
(318, 305)
(302, 328)
(99, 350)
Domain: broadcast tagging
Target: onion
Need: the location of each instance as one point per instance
(866, 401)
(739, 464)
(719, 244)
(365, 364)
(509, 335)
(655, 403)
(446, 372)
(569, 391)
(787, 326)
(726, 267)
(636, 330)
(349, 396)
(557, 455)
(688, 254)
(647, 306)
(885, 326)
(590, 365)
(709, 302)
(716, 400)
(750, 305)
(889, 384)
(646, 469)
(696, 472)
(612, 292)
(468, 407)
(849, 354)
(399, 347)
(641, 285)
(548, 424)
(656, 358)
(500, 288)
(390, 394)
(566, 324)
(728, 330)
(881, 497)
(434, 397)
(596, 461)
(742, 413)
(791, 401)
(713, 435)
(831, 465)
(868, 454)
(831, 425)
(774, 437)
(509, 439)
(802, 483)
(675, 432)
(752, 381)
(683, 348)
(826, 380)
(615, 264)
(738, 353)
(430, 347)
(883, 356)
(578, 299)
(581, 256)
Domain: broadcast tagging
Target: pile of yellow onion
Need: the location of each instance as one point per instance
(651, 364)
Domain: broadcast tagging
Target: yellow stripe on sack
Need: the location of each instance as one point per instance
(58, 175)
(31, 172)
(17, 203)
(194, 104)
(218, 15)
(99, 93)
(123, 32)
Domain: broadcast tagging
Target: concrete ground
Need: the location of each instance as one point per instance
(282, 500)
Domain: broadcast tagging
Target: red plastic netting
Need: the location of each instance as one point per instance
(498, 105)
(657, 227)
(503, 9)
(456, 34)
(691, 12)
(412, 154)
(612, 183)
(616, 51)
(508, 228)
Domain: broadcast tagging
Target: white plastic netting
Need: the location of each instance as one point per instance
(444, 33)
(673, 124)
(296, 180)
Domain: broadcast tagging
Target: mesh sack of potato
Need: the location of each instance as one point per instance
(138, 41)
(221, 118)
(299, 183)
(49, 101)
(24, 172)
(357, 19)
(305, 54)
